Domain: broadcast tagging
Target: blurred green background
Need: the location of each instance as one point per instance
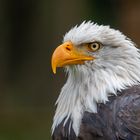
(29, 32)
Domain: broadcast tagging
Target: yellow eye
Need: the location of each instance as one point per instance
(94, 46)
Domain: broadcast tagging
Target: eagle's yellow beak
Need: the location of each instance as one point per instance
(67, 54)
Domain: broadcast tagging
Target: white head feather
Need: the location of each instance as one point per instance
(117, 66)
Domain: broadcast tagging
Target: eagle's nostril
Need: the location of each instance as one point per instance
(68, 48)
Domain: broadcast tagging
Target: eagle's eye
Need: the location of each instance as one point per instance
(94, 46)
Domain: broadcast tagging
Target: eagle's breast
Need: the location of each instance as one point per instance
(117, 119)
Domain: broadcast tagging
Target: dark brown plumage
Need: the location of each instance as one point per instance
(118, 119)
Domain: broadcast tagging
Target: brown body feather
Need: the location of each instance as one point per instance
(118, 119)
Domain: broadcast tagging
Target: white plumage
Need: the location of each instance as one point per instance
(116, 67)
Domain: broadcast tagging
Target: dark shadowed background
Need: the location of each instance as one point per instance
(29, 32)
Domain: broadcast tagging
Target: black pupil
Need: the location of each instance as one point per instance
(94, 45)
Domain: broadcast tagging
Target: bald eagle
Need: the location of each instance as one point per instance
(101, 97)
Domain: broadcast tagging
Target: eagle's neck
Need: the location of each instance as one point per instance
(85, 88)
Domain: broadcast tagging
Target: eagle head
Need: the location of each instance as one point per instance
(99, 61)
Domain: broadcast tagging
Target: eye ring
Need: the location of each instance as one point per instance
(94, 46)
